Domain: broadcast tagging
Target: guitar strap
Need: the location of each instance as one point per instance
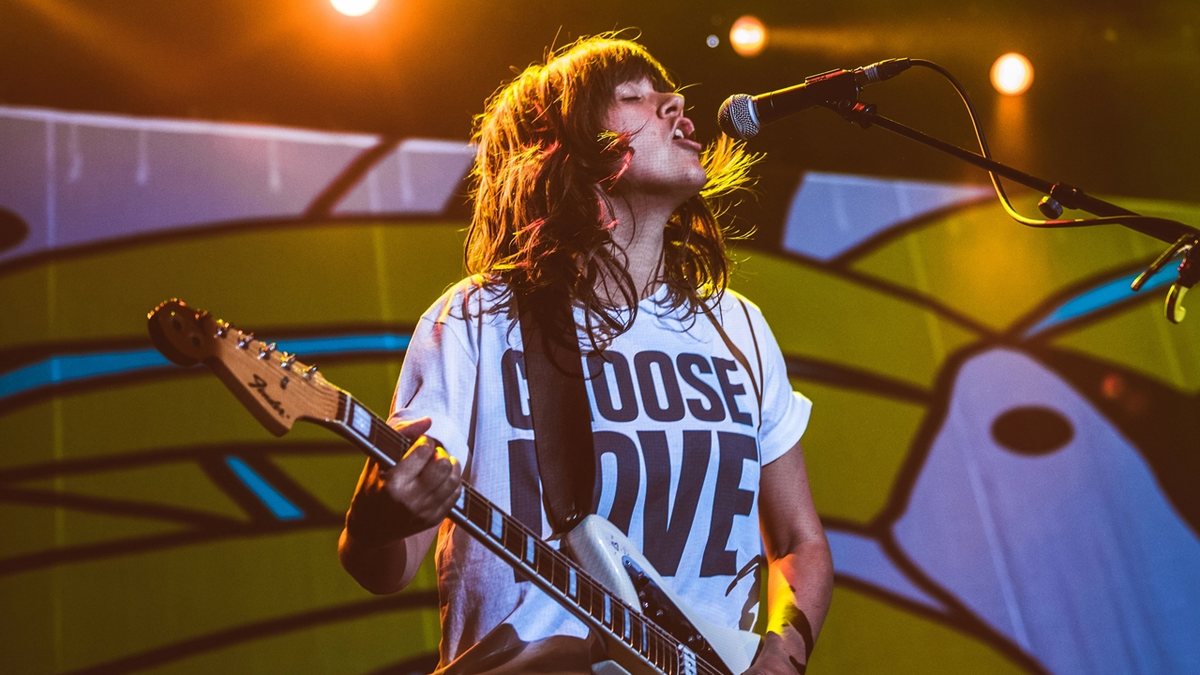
(737, 353)
(558, 405)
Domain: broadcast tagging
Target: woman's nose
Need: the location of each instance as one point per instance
(672, 105)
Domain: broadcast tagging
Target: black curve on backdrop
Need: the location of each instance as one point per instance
(922, 300)
(959, 613)
(880, 526)
(946, 618)
(336, 190)
(1043, 308)
(206, 230)
(322, 205)
(425, 663)
(949, 617)
(956, 616)
(204, 528)
(903, 604)
(223, 477)
(847, 257)
(921, 444)
(849, 377)
(249, 632)
(953, 620)
(23, 355)
(148, 458)
(112, 506)
(136, 545)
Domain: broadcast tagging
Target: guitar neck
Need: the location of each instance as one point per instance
(524, 549)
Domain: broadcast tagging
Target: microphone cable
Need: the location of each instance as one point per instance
(999, 187)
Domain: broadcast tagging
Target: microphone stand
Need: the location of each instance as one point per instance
(1184, 240)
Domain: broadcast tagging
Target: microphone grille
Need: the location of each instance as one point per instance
(737, 117)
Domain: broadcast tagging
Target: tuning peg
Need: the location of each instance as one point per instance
(265, 350)
(310, 371)
(244, 340)
(288, 360)
(222, 329)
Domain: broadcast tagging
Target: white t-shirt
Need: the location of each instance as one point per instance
(677, 427)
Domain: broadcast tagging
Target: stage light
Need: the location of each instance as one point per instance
(1012, 74)
(748, 36)
(712, 41)
(354, 7)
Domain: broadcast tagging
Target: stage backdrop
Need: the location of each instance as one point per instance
(1003, 450)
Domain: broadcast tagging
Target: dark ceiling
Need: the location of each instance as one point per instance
(1111, 109)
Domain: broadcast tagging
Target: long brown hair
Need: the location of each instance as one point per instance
(538, 224)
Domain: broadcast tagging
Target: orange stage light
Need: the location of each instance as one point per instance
(1012, 74)
(748, 36)
(354, 7)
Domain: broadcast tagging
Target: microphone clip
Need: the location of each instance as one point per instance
(853, 111)
(1188, 246)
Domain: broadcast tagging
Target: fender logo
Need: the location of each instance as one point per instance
(260, 385)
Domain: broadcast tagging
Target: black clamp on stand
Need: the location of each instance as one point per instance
(1187, 246)
(1057, 196)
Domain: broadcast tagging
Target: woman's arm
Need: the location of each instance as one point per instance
(800, 576)
(395, 513)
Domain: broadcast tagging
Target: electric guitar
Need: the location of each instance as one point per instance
(605, 581)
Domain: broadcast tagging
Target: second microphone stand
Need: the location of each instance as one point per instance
(1184, 240)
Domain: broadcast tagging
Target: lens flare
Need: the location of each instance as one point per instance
(1012, 74)
(748, 36)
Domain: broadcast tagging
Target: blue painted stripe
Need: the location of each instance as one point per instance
(279, 505)
(1101, 296)
(363, 342)
(74, 368)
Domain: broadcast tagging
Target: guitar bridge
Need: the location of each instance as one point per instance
(656, 605)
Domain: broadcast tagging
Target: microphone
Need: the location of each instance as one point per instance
(742, 116)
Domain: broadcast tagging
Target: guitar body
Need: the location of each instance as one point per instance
(604, 552)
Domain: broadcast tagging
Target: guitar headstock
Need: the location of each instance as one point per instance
(276, 387)
(182, 334)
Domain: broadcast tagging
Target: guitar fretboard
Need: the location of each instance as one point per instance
(523, 548)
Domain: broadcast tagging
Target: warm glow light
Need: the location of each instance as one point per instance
(354, 7)
(748, 36)
(1012, 74)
